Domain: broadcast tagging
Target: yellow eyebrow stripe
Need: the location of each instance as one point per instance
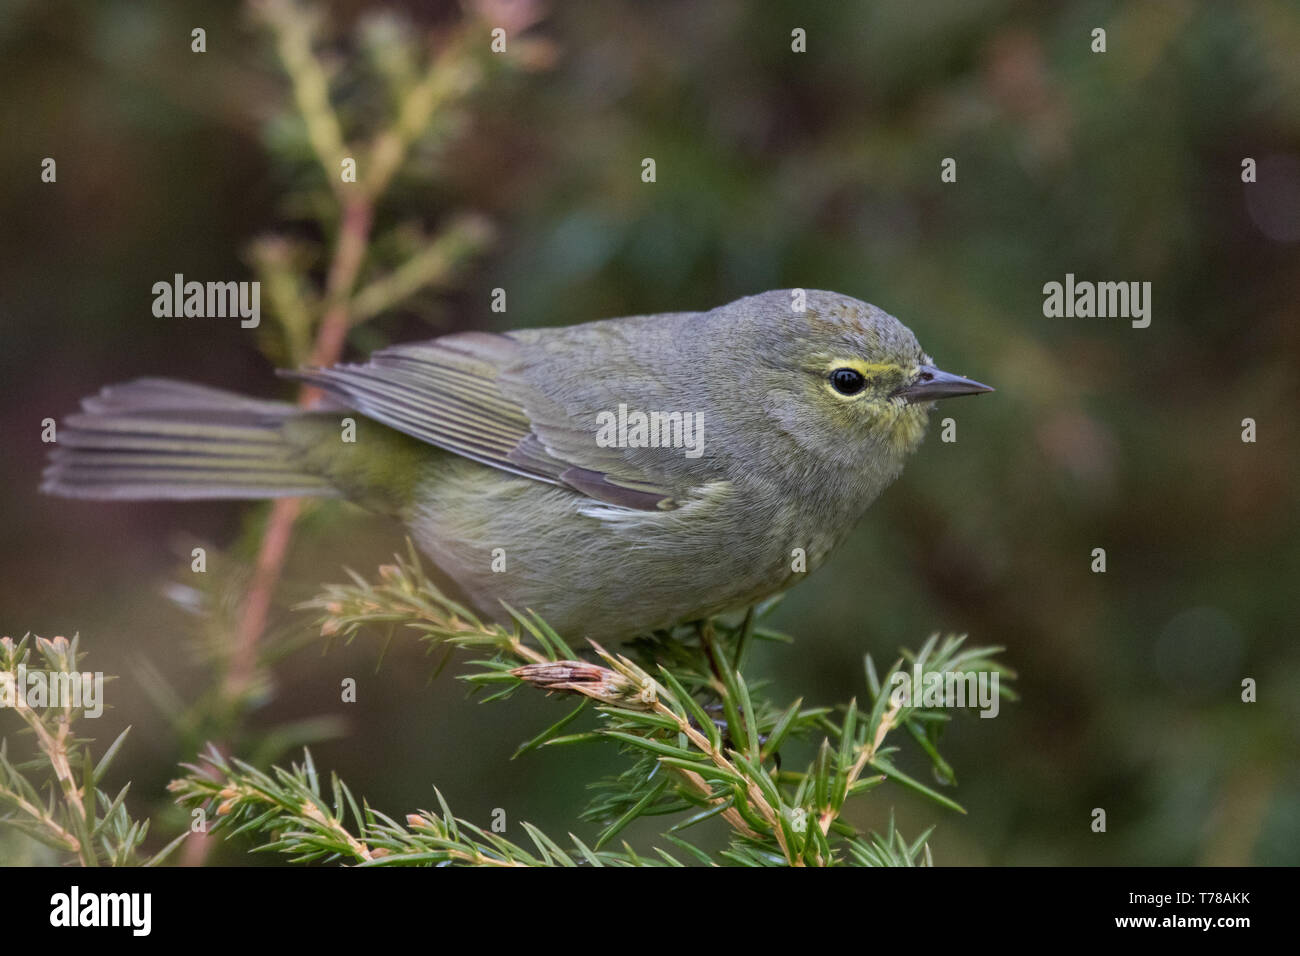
(868, 369)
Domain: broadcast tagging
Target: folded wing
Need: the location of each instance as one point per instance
(458, 393)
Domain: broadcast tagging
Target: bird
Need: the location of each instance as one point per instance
(615, 477)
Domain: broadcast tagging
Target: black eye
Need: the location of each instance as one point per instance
(847, 381)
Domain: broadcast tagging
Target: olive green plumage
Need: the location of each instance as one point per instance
(496, 452)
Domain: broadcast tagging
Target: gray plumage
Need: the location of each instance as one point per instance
(487, 446)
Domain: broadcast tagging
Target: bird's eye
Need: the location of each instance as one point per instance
(848, 381)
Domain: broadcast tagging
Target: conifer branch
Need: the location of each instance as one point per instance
(75, 816)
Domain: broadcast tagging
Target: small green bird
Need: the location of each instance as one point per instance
(615, 477)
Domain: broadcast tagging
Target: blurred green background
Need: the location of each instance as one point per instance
(775, 169)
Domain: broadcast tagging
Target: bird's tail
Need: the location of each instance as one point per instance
(155, 438)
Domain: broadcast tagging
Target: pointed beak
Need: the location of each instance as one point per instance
(931, 383)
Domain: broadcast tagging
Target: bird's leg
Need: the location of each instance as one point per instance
(704, 628)
(746, 631)
(721, 723)
(708, 639)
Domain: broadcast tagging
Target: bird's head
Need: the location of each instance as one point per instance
(845, 378)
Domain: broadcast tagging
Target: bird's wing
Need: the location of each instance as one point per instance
(463, 393)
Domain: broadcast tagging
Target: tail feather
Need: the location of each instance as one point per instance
(155, 438)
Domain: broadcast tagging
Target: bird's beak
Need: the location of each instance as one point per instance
(931, 383)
